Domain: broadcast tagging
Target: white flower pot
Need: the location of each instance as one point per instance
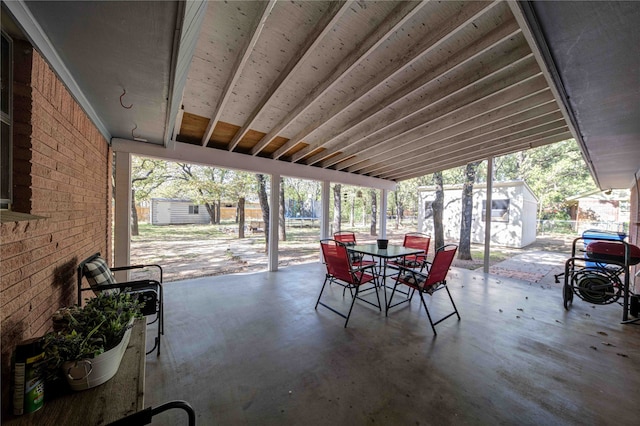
(87, 373)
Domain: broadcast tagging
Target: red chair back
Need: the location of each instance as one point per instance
(336, 258)
(441, 264)
(417, 241)
(346, 237)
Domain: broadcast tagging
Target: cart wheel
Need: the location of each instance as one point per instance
(567, 295)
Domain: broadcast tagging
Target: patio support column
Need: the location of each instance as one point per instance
(325, 200)
(122, 214)
(324, 215)
(487, 215)
(273, 222)
(383, 213)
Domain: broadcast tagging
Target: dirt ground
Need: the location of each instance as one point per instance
(186, 255)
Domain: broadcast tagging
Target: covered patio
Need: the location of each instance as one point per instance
(353, 92)
(250, 349)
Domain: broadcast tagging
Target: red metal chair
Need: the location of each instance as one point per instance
(429, 283)
(418, 241)
(348, 238)
(340, 268)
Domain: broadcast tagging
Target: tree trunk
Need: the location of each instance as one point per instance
(264, 205)
(437, 207)
(395, 197)
(337, 207)
(464, 249)
(134, 214)
(218, 211)
(374, 212)
(352, 214)
(241, 217)
(212, 212)
(282, 219)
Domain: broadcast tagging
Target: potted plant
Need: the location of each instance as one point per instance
(88, 342)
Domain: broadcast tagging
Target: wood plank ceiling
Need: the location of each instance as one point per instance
(393, 90)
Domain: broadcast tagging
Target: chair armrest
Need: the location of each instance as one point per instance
(129, 267)
(133, 285)
(362, 268)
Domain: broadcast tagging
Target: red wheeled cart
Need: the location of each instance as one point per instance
(598, 272)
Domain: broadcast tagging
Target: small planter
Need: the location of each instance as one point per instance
(88, 373)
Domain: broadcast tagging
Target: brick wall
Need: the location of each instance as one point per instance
(62, 172)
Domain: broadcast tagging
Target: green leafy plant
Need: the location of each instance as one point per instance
(87, 331)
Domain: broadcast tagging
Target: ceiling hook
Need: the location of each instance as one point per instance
(124, 92)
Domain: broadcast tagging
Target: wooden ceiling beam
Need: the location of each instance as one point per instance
(431, 146)
(400, 14)
(469, 103)
(527, 145)
(464, 120)
(238, 67)
(495, 148)
(401, 62)
(534, 126)
(459, 59)
(311, 42)
(497, 72)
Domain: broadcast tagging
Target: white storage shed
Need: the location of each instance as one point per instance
(168, 211)
(513, 211)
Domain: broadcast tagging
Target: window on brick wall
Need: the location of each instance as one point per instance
(6, 83)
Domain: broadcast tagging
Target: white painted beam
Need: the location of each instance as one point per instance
(400, 14)
(397, 65)
(333, 14)
(122, 214)
(383, 213)
(238, 67)
(189, 20)
(324, 220)
(487, 215)
(196, 154)
(274, 201)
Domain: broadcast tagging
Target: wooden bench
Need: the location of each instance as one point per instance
(106, 403)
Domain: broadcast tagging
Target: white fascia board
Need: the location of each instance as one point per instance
(196, 154)
(41, 42)
(190, 20)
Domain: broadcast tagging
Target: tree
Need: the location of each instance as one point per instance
(337, 206)
(374, 212)
(264, 205)
(283, 223)
(437, 207)
(147, 175)
(204, 185)
(464, 249)
(240, 185)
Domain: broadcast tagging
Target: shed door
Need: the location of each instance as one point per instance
(164, 213)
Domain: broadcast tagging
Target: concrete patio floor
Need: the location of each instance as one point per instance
(250, 349)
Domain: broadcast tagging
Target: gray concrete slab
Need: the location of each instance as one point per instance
(250, 349)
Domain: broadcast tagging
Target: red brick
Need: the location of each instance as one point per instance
(55, 143)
